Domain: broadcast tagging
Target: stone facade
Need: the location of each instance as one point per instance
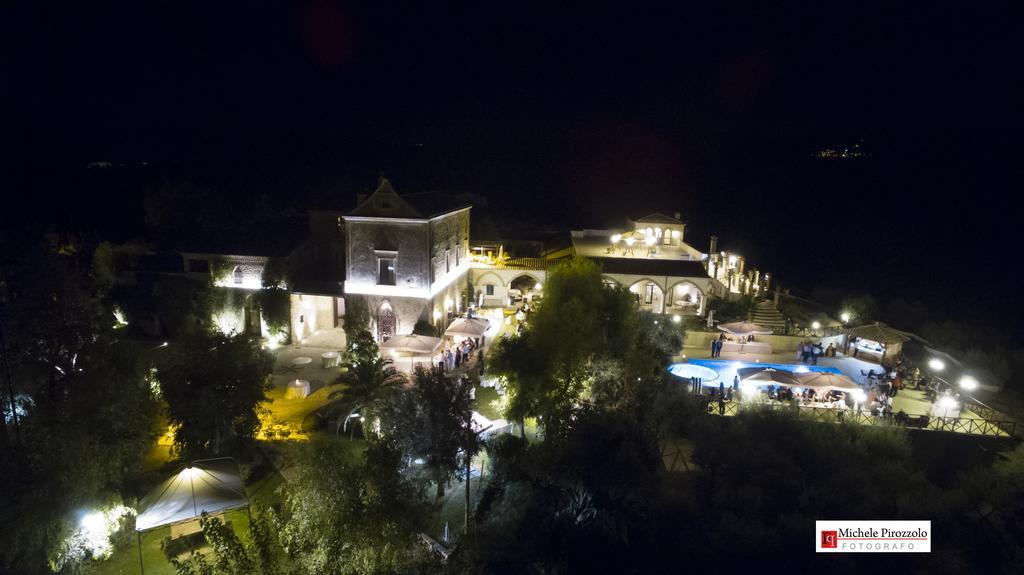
(231, 271)
(429, 251)
(449, 244)
(371, 239)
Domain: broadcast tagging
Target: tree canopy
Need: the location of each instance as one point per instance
(587, 340)
(351, 513)
(214, 385)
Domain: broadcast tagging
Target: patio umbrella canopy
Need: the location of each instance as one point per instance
(207, 486)
(468, 327)
(744, 328)
(765, 376)
(830, 381)
(412, 343)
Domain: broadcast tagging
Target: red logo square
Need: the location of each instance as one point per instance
(829, 539)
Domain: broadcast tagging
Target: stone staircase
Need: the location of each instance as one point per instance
(764, 314)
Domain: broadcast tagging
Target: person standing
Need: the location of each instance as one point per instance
(714, 347)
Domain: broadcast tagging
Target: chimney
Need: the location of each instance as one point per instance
(713, 257)
(678, 216)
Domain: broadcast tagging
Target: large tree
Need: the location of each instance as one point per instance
(214, 385)
(432, 421)
(368, 380)
(351, 513)
(85, 413)
(582, 501)
(586, 341)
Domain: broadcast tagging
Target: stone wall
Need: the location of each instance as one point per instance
(310, 313)
(450, 232)
(410, 240)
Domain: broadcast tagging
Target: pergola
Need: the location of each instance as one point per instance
(892, 339)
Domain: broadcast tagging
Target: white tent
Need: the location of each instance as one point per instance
(423, 346)
(412, 343)
(209, 486)
(468, 327)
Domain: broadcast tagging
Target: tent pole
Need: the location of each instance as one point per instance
(142, 566)
(191, 482)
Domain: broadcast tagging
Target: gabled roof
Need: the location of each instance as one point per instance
(879, 332)
(433, 204)
(385, 202)
(659, 218)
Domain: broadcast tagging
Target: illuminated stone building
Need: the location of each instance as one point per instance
(408, 256)
(650, 257)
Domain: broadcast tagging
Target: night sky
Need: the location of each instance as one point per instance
(579, 115)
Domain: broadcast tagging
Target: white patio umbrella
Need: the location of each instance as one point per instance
(768, 375)
(412, 344)
(744, 328)
(468, 327)
(825, 380)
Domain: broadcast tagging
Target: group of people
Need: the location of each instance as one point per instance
(808, 352)
(716, 344)
(462, 354)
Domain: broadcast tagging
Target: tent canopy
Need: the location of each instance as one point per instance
(468, 327)
(412, 343)
(209, 486)
(744, 328)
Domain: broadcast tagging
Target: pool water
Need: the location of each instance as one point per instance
(714, 371)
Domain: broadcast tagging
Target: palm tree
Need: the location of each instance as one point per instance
(368, 380)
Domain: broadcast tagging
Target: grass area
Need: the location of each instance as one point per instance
(485, 397)
(125, 559)
(453, 509)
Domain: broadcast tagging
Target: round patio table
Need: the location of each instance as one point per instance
(297, 389)
(302, 360)
(330, 358)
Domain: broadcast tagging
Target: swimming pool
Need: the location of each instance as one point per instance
(715, 371)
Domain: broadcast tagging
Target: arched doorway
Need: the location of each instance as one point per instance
(386, 322)
(649, 296)
(523, 288)
(685, 298)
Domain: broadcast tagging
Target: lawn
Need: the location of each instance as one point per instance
(125, 559)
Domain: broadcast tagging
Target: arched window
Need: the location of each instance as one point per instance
(385, 322)
(237, 275)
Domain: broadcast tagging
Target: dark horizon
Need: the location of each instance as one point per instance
(580, 117)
